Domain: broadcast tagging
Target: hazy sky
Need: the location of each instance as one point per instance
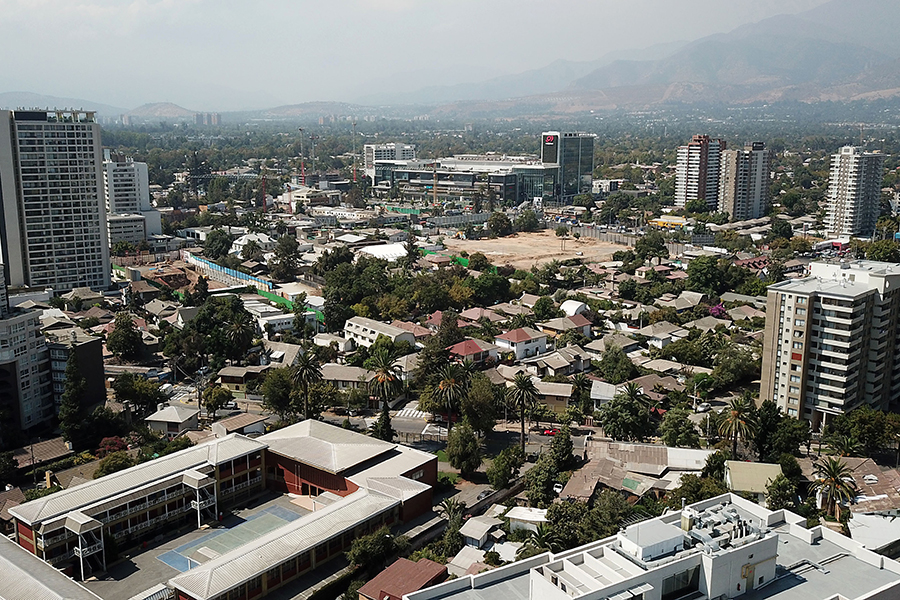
(230, 54)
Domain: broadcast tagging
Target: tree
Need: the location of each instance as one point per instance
(780, 493)
(124, 341)
(539, 481)
(450, 389)
(704, 274)
(523, 395)
(715, 465)
(373, 550)
(678, 430)
(139, 391)
(650, 246)
(306, 371)
(884, 250)
(108, 445)
(239, 333)
(382, 429)
(479, 405)
(540, 540)
(734, 364)
(695, 489)
(498, 224)
(117, 461)
(276, 392)
(386, 383)
(624, 418)
(215, 398)
(73, 403)
(217, 245)
(562, 448)
(767, 418)
(505, 467)
(615, 366)
(737, 422)
(479, 262)
(781, 229)
(545, 309)
(834, 483)
(8, 466)
(463, 450)
(527, 221)
(286, 259)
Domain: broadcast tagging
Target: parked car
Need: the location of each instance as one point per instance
(703, 407)
(230, 405)
(557, 488)
(552, 431)
(484, 495)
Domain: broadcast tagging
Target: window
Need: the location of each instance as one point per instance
(798, 345)
(800, 322)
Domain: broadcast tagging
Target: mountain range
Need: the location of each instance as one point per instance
(839, 51)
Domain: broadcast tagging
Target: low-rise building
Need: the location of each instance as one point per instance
(364, 331)
(750, 477)
(88, 350)
(403, 577)
(522, 342)
(345, 377)
(173, 421)
(577, 323)
(474, 350)
(723, 547)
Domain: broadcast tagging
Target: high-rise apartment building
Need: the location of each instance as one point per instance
(53, 217)
(390, 151)
(574, 154)
(744, 182)
(126, 186)
(26, 395)
(854, 192)
(697, 171)
(832, 341)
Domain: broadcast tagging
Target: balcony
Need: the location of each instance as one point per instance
(46, 542)
(89, 550)
(53, 560)
(202, 503)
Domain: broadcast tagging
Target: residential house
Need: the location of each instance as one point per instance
(684, 301)
(522, 517)
(475, 350)
(632, 469)
(476, 530)
(403, 577)
(235, 379)
(172, 421)
(602, 392)
(280, 354)
(745, 311)
(9, 498)
(878, 490)
(420, 333)
(555, 395)
(657, 387)
(662, 333)
(511, 310)
(243, 423)
(345, 377)
(144, 290)
(473, 315)
(571, 308)
(327, 339)
(184, 315)
(364, 331)
(160, 309)
(522, 342)
(529, 300)
(707, 323)
(596, 348)
(555, 327)
(565, 361)
(750, 477)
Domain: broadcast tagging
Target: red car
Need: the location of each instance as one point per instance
(552, 431)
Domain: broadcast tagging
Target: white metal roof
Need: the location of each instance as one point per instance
(173, 414)
(255, 558)
(324, 446)
(24, 576)
(213, 452)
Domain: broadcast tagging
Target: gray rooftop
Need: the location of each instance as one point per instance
(23, 576)
(63, 502)
(324, 446)
(826, 287)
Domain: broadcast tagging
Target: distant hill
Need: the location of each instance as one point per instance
(14, 100)
(162, 110)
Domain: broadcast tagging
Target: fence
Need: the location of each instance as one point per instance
(624, 239)
(144, 258)
(225, 275)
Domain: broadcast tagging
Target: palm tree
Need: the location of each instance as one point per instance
(834, 481)
(451, 389)
(544, 539)
(240, 332)
(386, 382)
(452, 509)
(524, 395)
(737, 421)
(307, 371)
(635, 393)
(845, 445)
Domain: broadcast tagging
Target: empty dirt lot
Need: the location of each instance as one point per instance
(526, 249)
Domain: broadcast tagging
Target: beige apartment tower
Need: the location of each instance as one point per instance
(52, 208)
(832, 341)
(744, 182)
(854, 192)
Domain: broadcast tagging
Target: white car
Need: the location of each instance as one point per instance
(703, 407)
(557, 488)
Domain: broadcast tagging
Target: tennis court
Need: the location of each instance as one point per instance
(219, 542)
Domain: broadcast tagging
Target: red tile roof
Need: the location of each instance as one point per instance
(521, 334)
(469, 347)
(403, 577)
